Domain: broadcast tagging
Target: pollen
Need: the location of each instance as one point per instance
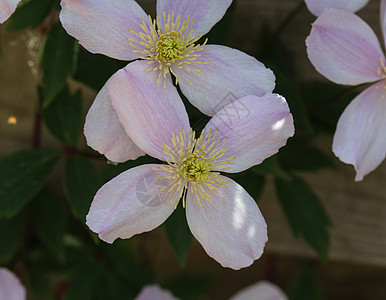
(168, 47)
(382, 72)
(194, 166)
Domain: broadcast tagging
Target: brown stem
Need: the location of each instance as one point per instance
(279, 29)
(268, 267)
(37, 129)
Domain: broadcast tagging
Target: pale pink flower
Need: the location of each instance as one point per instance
(7, 7)
(343, 48)
(10, 286)
(262, 290)
(317, 6)
(167, 45)
(154, 292)
(220, 213)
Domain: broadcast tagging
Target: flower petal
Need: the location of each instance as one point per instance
(230, 74)
(262, 290)
(152, 292)
(230, 227)
(105, 133)
(205, 13)
(360, 137)
(103, 26)
(256, 127)
(383, 19)
(7, 7)
(343, 48)
(149, 112)
(129, 204)
(10, 286)
(317, 6)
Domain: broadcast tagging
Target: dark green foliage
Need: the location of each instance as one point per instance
(304, 286)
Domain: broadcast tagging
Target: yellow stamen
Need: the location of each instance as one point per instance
(168, 47)
(192, 164)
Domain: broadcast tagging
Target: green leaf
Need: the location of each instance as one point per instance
(58, 62)
(95, 69)
(189, 286)
(11, 235)
(22, 175)
(304, 286)
(178, 233)
(50, 226)
(63, 116)
(300, 155)
(85, 281)
(305, 213)
(270, 166)
(39, 285)
(285, 86)
(29, 14)
(81, 181)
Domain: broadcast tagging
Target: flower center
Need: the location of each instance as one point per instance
(168, 47)
(194, 166)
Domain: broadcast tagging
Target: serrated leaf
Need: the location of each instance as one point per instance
(51, 226)
(81, 181)
(30, 14)
(95, 69)
(178, 233)
(304, 286)
(305, 213)
(63, 116)
(11, 235)
(22, 175)
(58, 62)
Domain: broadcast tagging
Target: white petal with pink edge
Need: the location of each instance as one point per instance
(262, 290)
(149, 112)
(229, 75)
(382, 15)
(129, 204)
(7, 7)
(103, 26)
(204, 13)
(105, 133)
(360, 137)
(10, 286)
(317, 6)
(154, 292)
(343, 48)
(255, 127)
(230, 227)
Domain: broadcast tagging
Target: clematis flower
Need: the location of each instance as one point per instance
(10, 286)
(343, 48)
(221, 214)
(151, 292)
(166, 45)
(317, 6)
(262, 290)
(7, 7)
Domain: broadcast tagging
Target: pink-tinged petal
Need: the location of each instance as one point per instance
(317, 6)
(204, 13)
(256, 128)
(360, 137)
(343, 48)
(230, 75)
(154, 292)
(7, 7)
(103, 26)
(105, 133)
(383, 19)
(149, 112)
(129, 204)
(230, 227)
(262, 290)
(10, 286)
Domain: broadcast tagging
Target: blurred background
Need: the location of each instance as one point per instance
(327, 233)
